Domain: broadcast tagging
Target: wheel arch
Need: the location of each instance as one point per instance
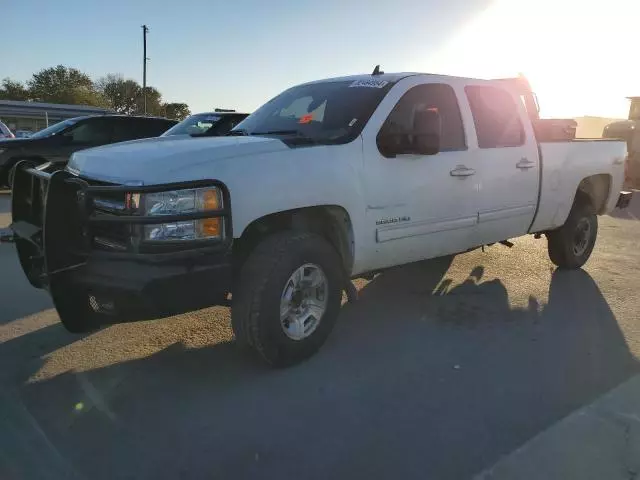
(331, 222)
(595, 189)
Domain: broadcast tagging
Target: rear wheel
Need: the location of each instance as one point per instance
(288, 297)
(570, 246)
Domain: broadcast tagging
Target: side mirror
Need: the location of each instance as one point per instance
(427, 129)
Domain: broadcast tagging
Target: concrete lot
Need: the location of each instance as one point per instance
(440, 369)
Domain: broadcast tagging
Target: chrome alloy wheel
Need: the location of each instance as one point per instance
(303, 301)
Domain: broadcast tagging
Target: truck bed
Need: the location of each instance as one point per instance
(565, 164)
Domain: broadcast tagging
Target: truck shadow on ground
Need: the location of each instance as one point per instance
(419, 380)
(18, 298)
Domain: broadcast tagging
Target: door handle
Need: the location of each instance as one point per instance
(462, 171)
(525, 164)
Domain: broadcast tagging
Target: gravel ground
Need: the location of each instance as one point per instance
(439, 370)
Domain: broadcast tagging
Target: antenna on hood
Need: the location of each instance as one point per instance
(377, 71)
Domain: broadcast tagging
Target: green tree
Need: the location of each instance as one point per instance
(176, 111)
(64, 85)
(10, 90)
(126, 96)
(154, 102)
(120, 94)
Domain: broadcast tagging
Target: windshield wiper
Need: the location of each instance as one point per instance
(280, 132)
(297, 133)
(238, 132)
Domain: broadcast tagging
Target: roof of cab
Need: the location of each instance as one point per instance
(396, 77)
(389, 77)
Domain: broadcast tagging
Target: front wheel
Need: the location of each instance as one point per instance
(570, 246)
(288, 297)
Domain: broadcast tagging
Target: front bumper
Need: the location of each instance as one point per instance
(167, 285)
(56, 227)
(624, 199)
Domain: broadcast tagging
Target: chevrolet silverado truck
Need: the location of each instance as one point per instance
(328, 181)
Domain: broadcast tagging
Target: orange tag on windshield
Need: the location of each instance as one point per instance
(306, 118)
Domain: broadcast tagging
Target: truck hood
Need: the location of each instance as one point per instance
(159, 160)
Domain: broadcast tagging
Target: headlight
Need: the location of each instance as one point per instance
(178, 202)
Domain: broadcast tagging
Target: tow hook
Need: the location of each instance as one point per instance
(7, 236)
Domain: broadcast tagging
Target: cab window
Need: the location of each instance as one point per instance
(496, 117)
(434, 96)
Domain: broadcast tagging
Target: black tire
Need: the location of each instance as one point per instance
(564, 248)
(73, 307)
(255, 312)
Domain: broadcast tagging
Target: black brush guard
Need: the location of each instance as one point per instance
(55, 220)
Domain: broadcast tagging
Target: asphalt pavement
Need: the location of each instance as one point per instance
(441, 369)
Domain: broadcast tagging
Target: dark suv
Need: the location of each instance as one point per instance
(57, 142)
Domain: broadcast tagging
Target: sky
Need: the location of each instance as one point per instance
(238, 54)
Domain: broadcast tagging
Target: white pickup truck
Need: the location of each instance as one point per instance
(328, 181)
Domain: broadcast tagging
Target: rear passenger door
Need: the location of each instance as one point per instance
(506, 162)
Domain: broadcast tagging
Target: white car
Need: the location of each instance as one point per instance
(328, 181)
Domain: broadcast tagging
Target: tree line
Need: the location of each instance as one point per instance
(69, 85)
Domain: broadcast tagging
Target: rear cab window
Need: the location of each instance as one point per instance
(495, 116)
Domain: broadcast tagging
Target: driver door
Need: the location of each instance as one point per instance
(419, 206)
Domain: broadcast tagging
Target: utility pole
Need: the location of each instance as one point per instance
(145, 29)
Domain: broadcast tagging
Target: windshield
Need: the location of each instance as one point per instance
(326, 112)
(194, 125)
(53, 129)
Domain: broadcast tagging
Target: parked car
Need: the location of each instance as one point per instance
(56, 143)
(5, 132)
(208, 124)
(23, 133)
(328, 181)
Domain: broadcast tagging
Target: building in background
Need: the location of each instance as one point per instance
(32, 116)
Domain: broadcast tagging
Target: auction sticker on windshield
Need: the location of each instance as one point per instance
(369, 83)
